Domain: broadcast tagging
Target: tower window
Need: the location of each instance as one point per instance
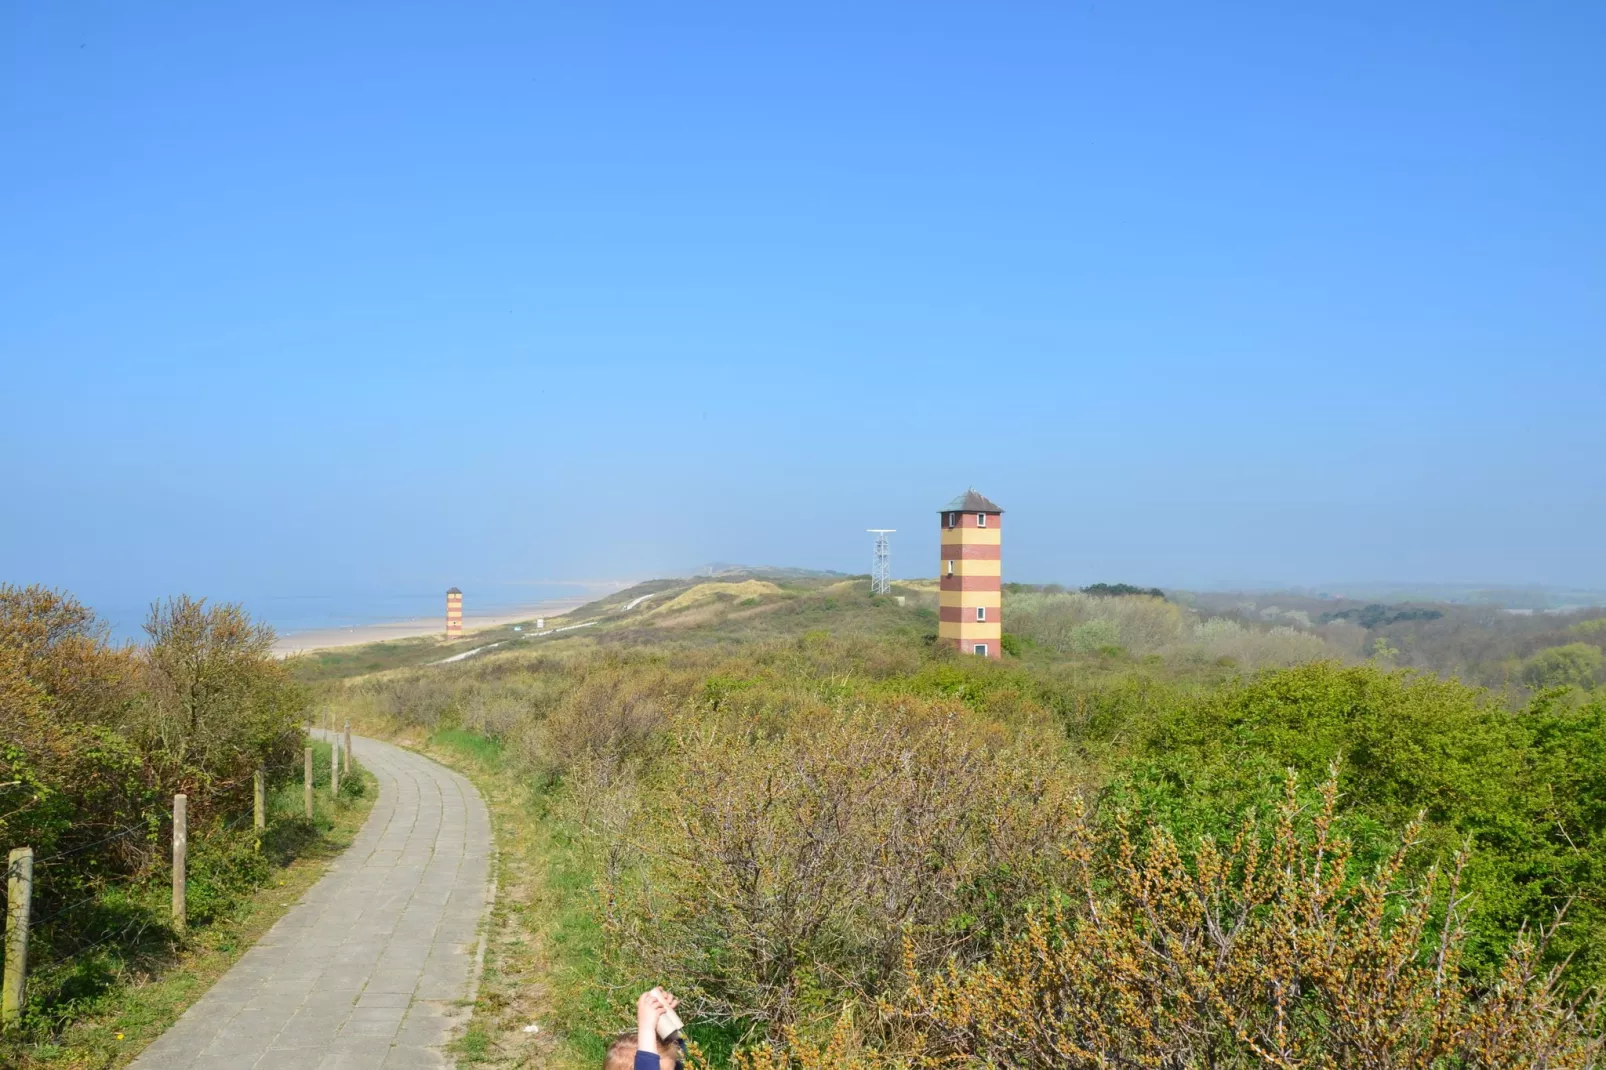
(951, 519)
(981, 520)
(950, 568)
(981, 612)
(980, 648)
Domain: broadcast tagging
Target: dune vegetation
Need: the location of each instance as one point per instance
(1152, 836)
(95, 740)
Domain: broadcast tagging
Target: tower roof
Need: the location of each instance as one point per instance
(970, 502)
(453, 590)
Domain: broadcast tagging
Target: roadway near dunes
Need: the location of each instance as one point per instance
(368, 971)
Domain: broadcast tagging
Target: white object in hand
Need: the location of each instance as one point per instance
(669, 1023)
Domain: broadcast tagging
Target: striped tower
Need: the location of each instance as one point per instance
(970, 607)
(454, 613)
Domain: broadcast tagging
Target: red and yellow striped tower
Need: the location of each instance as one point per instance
(454, 613)
(970, 605)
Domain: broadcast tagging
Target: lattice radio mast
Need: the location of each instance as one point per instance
(881, 573)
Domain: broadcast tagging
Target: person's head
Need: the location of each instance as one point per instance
(622, 1053)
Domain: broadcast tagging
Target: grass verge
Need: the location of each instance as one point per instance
(143, 996)
(543, 964)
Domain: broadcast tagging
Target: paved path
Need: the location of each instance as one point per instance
(368, 970)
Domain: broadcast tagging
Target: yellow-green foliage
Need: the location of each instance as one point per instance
(792, 831)
(95, 739)
(777, 862)
(1269, 952)
(1074, 623)
(1580, 665)
(99, 736)
(1082, 623)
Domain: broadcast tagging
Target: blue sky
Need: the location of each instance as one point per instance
(393, 295)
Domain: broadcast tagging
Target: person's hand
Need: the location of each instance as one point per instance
(649, 1006)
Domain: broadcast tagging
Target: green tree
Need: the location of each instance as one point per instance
(1122, 590)
(1100, 635)
(1404, 745)
(1577, 665)
(217, 698)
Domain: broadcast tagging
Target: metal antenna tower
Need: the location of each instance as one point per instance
(881, 573)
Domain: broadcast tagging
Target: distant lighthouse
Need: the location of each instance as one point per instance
(970, 605)
(454, 613)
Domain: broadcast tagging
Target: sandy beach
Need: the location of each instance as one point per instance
(356, 635)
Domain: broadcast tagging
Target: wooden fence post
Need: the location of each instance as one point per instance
(348, 748)
(181, 844)
(334, 770)
(259, 800)
(19, 900)
(306, 761)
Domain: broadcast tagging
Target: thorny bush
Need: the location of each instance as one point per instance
(1269, 953)
(781, 871)
(96, 738)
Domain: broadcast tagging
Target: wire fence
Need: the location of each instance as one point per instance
(61, 945)
(136, 827)
(85, 916)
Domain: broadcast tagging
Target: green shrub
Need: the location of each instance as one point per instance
(765, 819)
(783, 867)
(1271, 950)
(1405, 745)
(96, 739)
(1580, 665)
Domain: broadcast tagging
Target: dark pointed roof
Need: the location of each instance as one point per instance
(453, 590)
(970, 502)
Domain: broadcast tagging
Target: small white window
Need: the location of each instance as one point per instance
(981, 612)
(951, 519)
(980, 648)
(950, 568)
(981, 520)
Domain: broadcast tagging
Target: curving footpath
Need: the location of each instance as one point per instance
(371, 969)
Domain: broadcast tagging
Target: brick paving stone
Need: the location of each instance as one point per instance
(356, 975)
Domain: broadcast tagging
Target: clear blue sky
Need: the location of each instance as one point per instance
(304, 295)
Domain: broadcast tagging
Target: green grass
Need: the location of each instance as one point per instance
(132, 992)
(468, 746)
(543, 960)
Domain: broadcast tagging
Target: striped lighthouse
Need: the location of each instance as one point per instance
(454, 613)
(970, 605)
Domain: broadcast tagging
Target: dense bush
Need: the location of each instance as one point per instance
(215, 702)
(789, 831)
(1145, 623)
(1516, 787)
(1580, 665)
(781, 864)
(97, 738)
(1271, 951)
(1087, 622)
